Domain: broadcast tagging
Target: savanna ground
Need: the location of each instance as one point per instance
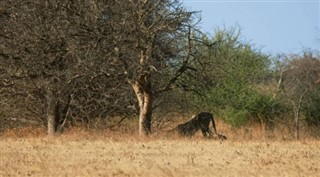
(79, 152)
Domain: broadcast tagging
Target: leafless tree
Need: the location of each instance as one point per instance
(49, 60)
(62, 55)
(298, 78)
(151, 40)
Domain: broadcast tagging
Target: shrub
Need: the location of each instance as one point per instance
(251, 107)
(234, 117)
(312, 108)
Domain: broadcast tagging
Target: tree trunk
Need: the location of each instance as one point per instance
(55, 114)
(51, 125)
(145, 99)
(297, 113)
(145, 115)
(51, 113)
(297, 124)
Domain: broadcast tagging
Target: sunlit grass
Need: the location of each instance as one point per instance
(84, 153)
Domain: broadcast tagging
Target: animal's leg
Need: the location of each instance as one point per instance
(204, 132)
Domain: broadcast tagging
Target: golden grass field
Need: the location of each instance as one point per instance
(116, 154)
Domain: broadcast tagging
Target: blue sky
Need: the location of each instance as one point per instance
(275, 26)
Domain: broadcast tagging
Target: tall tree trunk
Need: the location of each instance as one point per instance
(51, 113)
(55, 114)
(297, 113)
(144, 95)
(145, 115)
(297, 124)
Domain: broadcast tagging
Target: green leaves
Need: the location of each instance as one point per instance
(234, 117)
(312, 107)
(234, 68)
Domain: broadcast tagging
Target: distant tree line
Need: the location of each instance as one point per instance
(242, 84)
(69, 62)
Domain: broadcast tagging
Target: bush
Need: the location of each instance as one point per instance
(260, 107)
(312, 108)
(234, 117)
(250, 107)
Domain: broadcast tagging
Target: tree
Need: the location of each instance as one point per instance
(51, 48)
(228, 73)
(49, 58)
(35, 50)
(311, 108)
(302, 73)
(151, 39)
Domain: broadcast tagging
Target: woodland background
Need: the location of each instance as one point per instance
(133, 63)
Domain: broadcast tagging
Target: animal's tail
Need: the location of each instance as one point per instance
(221, 137)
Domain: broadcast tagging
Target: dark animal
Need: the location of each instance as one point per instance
(201, 122)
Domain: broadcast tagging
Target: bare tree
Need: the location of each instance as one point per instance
(34, 49)
(65, 54)
(151, 39)
(49, 57)
(299, 77)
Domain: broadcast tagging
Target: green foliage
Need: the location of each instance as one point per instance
(299, 90)
(231, 71)
(258, 105)
(254, 106)
(312, 108)
(234, 117)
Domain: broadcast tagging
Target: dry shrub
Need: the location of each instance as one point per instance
(127, 129)
(282, 130)
(24, 132)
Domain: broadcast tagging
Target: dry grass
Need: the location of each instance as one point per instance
(83, 153)
(249, 151)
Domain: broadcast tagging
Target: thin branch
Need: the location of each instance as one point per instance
(65, 113)
(182, 69)
(280, 82)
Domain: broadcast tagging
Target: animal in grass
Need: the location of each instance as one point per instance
(201, 122)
